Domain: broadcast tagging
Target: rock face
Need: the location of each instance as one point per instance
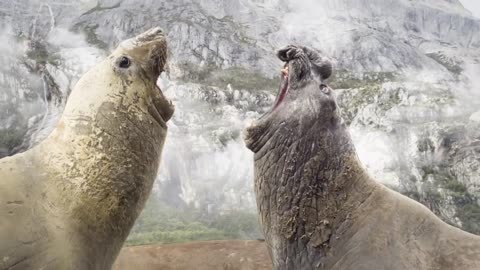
(406, 79)
(41, 63)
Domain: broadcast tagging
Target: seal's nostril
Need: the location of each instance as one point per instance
(156, 31)
(288, 53)
(325, 89)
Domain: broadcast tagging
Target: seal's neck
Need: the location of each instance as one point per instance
(306, 186)
(315, 156)
(103, 167)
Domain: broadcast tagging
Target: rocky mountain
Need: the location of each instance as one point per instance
(406, 78)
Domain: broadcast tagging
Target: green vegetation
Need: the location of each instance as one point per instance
(10, 138)
(92, 38)
(237, 77)
(466, 205)
(451, 65)
(426, 145)
(469, 214)
(240, 78)
(91, 35)
(12, 135)
(161, 224)
(99, 8)
(356, 99)
(468, 210)
(456, 187)
(343, 79)
(362, 90)
(41, 55)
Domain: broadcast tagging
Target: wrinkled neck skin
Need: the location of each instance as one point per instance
(103, 156)
(307, 174)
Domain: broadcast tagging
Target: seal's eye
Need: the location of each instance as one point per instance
(124, 62)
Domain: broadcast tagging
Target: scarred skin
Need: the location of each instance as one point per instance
(70, 202)
(319, 208)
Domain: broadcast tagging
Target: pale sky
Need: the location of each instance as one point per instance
(473, 6)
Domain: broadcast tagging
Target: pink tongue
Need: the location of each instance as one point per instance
(283, 91)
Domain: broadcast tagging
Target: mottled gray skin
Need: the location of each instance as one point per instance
(70, 202)
(319, 208)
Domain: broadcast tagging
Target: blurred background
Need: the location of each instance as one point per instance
(407, 79)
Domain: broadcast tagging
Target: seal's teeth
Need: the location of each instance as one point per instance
(285, 71)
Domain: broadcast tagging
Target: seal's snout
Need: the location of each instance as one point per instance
(289, 53)
(151, 35)
(149, 49)
(321, 65)
(145, 57)
(307, 59)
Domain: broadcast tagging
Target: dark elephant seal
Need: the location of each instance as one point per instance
(70, 202)
(318, 206)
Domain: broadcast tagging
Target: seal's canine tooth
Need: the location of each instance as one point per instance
(70, 202)
(318, 207)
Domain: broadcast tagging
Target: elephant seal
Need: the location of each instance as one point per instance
(70, 202)
(319, 208)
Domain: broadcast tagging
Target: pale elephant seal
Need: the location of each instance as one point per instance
(318, 206)
(70, 202)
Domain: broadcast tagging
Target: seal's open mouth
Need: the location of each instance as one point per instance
(282, 92)
(150, 49)
(162, 109)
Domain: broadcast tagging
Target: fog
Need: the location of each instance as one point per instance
(473, 6)
(205, 163)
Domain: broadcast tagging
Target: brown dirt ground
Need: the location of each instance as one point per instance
(208, 255)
